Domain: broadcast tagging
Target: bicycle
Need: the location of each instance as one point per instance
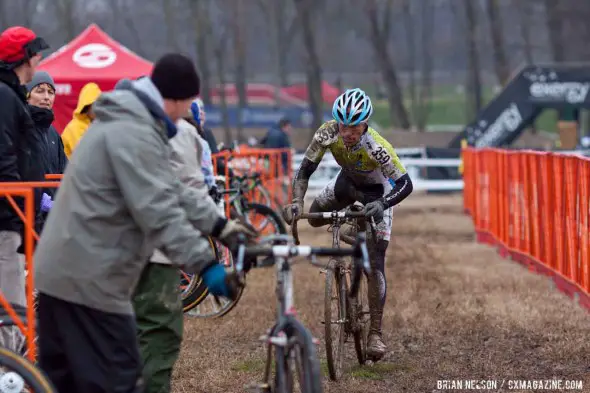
(294, 347)
(352, 312)
(196, 301)
(22, 375)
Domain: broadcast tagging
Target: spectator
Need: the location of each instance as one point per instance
(277, 137)
(118, 200)
(198, 121)
(200, 116)
(83, 116)
(20, 53)
(157, 301)
(41, 96)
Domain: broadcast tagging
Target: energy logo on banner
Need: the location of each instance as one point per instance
(94, 56)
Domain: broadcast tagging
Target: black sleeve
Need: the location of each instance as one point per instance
(63, 159)
(402, 188)
(210, 138)
(301, 179)
(10, 111)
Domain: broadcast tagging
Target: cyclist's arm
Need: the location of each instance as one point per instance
(394, 170)
(313, 156)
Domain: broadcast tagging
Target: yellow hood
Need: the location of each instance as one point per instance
(88, 95)
(80, 122)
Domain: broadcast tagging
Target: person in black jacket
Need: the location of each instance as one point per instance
(41, 96)
(19, 55)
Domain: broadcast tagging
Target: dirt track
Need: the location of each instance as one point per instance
(455, 310)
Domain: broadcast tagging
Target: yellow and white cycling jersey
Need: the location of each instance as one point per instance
(372, 160)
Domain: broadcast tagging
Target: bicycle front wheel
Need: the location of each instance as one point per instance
(362, 317)
(18, 374)
(301, 366)
(334, 320)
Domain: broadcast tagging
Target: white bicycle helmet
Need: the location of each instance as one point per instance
(352, 107)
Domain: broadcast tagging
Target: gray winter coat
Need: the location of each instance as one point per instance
(119, 200)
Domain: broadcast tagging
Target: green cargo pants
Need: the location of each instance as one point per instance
(158, 310)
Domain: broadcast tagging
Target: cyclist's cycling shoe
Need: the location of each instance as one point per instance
(376, 348)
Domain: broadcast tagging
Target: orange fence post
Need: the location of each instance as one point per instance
(28, 217)
(526, 203)
(547, 209)
(571, 218)
(559, 211)
(535, 212)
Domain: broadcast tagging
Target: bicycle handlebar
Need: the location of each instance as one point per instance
(333, 215)
(359, 251)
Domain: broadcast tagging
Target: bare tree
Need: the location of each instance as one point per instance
(220, 38)
(427, 23)
(3, 15)
(66, 10)
(121, 13)
(474, 86)
(170, 20)
(239, 45)
(305, 12)
(202, 30)
(554, 21)
(379, 19)
(524, 10)
(29, 9)
(497, 34)
(284, 29)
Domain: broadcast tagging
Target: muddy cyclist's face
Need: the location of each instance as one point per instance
(351, 135)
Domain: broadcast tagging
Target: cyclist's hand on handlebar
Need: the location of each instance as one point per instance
(375, 209)
(291, 211)
(231, 231)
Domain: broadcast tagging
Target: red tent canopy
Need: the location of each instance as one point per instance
(91, 57)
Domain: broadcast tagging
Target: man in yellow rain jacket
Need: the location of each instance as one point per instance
(83, 116)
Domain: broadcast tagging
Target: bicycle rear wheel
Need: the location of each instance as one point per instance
(17, 374)
(334, 319)
(264, 219)
(193, 290)
(216, 307)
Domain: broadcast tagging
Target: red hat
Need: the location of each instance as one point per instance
(19, 44)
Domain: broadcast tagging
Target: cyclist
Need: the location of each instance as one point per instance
(371, 173)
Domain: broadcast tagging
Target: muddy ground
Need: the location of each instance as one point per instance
(455, 309)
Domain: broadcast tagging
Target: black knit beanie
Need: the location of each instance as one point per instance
(176, 77)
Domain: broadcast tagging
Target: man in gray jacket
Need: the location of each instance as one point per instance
(157, 301)
(118, 201)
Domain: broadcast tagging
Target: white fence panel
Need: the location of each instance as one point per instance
(329, 168)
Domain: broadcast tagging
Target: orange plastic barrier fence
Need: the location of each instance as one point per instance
(24, 190)
(274, 176)
(535, 207)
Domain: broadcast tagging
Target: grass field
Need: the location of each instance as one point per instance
(449, 107)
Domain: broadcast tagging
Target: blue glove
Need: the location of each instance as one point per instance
(214, 279)
(46, 203)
